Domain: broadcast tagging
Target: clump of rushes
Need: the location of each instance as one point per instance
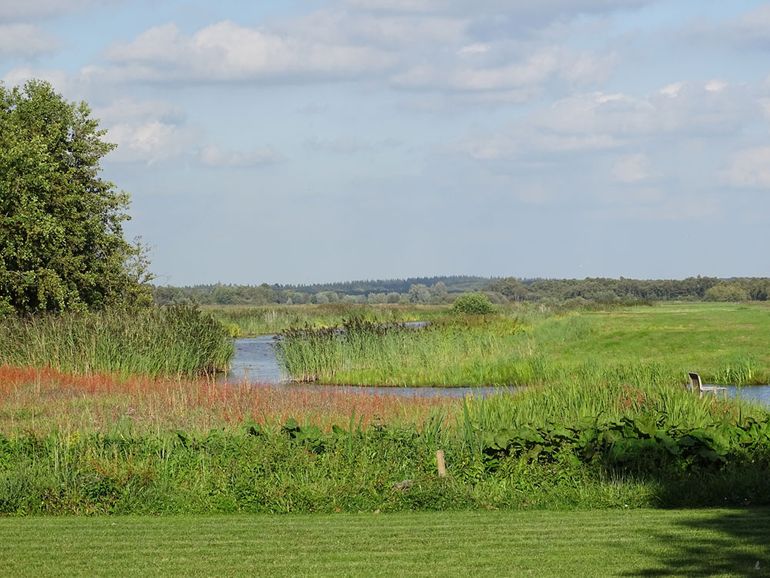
(174, 341)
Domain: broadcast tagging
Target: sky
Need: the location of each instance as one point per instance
(303, 141)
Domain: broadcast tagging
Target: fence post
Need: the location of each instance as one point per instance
(440, 463)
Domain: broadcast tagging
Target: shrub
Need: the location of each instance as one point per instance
(473, 304)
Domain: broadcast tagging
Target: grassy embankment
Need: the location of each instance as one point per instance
(600, 543)
(176, 341)
(726, 343)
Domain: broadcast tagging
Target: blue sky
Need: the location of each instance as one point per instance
(317, 140)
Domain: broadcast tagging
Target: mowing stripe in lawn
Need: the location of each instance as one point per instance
(538, 543)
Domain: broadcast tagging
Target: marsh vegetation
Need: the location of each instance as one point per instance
(603, 422)
(530, 345)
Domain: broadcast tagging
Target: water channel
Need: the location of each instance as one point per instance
(255, 362)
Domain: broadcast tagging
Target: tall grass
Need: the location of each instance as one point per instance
(455, 351)
(45, 400)
(94, 444)
(526, 346)
(575, 402)
(176, 341)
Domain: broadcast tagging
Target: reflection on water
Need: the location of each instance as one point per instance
(255, 362)
(756, 393)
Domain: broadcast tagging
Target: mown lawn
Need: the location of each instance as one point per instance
(544, 543)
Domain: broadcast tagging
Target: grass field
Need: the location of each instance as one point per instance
(575, 543)
(725, 343)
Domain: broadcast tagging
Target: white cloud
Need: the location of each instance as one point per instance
(528, 142)
(528, 71)
(25, 10)
(70, 86)
(395, 32)
(474, 49)
(228, 52)
(682, 108)
(212, 156)
(672, 90)
(753, 28)
(631, 169)
(147, 142)
(749, 168)
(716, 85)
(129, 109)
(25, 41)
(348, 145)
(146, 131)
(521, 9)
(397, 5)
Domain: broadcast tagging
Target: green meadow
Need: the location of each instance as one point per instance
(526, 345)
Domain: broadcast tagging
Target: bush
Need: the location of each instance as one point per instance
(726, 292)
(473, 304)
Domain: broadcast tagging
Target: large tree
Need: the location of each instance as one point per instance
(61, 235)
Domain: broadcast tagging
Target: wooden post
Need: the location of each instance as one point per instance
(440, 464)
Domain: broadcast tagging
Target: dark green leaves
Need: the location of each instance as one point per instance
(61, 236)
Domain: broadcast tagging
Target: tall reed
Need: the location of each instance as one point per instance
(449, 352)
(155, 342)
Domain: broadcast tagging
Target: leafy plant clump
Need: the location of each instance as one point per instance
(473, 304)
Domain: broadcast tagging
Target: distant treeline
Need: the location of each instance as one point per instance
(500, 290)
(453, 283)
(633, 290)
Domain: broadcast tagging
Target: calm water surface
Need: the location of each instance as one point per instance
(255, 362)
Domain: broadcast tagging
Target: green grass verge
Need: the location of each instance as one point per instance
(583, 543)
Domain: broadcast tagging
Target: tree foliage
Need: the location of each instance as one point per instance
(61, 237)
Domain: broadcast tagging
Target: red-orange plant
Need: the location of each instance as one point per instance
(45, 399)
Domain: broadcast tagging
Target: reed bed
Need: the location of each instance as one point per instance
(454, 351)
(175, 341)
